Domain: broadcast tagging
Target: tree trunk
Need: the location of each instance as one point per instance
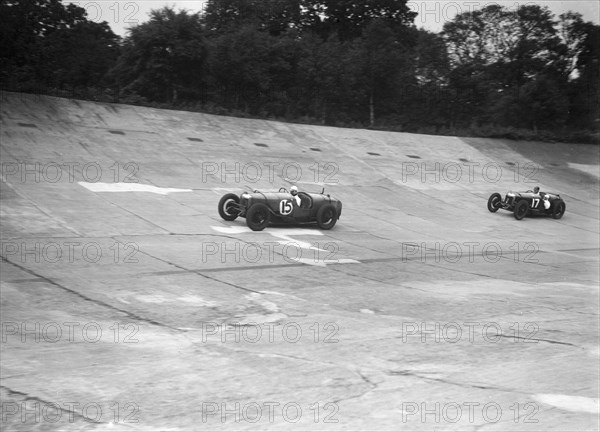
(371, 110)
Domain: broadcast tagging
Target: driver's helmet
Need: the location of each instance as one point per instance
(536, 189)
(546, 197)
(294, 190)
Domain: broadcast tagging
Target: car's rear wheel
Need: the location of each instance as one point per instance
(494, 202)
(258, 217)
(228, 208)
(558, 209)
(521, 209)
(327, 217)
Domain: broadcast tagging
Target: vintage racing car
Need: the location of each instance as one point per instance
(531, 202)
(260, 208)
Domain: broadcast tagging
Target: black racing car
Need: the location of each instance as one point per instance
(260, 208)
(530, 202)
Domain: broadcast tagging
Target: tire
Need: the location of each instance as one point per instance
(521, 209)
(226, 210)
(327, 217)
(558, 209)
(258, 217)
(494, 202)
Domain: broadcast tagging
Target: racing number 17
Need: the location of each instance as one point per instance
(535, 202)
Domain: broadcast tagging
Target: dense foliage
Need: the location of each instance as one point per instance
(519, 72)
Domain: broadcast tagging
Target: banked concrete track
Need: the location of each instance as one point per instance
(133, 306)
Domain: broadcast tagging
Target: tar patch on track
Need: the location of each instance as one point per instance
(373, 154)
(260, 145)
(116, 132)
(31, 125)
(414, 156)
(195, 139)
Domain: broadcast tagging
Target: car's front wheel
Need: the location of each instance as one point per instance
(521, 209)
(327, 217)
(494, 202)
(558, 209)
(228, 207)
(258, 217)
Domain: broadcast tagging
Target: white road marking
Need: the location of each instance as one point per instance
(287, 240)
(232, 230)
(570, 403)
(266, 304)
(590, 169)
(130, 187)
(345, 261)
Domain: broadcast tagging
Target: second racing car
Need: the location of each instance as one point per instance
(531, 202)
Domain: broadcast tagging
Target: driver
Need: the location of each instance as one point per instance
(536, 190)
(296, 198)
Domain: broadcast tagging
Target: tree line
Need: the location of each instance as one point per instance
(516, 72)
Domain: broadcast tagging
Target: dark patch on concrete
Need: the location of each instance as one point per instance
(31, 125)
(29, 280)
(117, 132)
(260, 145)
(373, 154)
(463, 160)
(315, 149)
(510, 163)
(414, 156)
(195, 139)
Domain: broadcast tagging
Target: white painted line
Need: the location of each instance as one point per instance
(570, 403)
(590, 169)
(345, 261)
(232, 230)
(287, 241)
(130, 187)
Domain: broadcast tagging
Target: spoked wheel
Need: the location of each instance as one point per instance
(494, 202)
(521, 210)
(228, 208)
(258, 217)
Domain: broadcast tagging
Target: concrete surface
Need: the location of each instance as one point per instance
(128, 304)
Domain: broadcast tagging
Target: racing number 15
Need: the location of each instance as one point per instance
(285, 207)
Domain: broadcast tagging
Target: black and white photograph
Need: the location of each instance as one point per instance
(299, 215)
